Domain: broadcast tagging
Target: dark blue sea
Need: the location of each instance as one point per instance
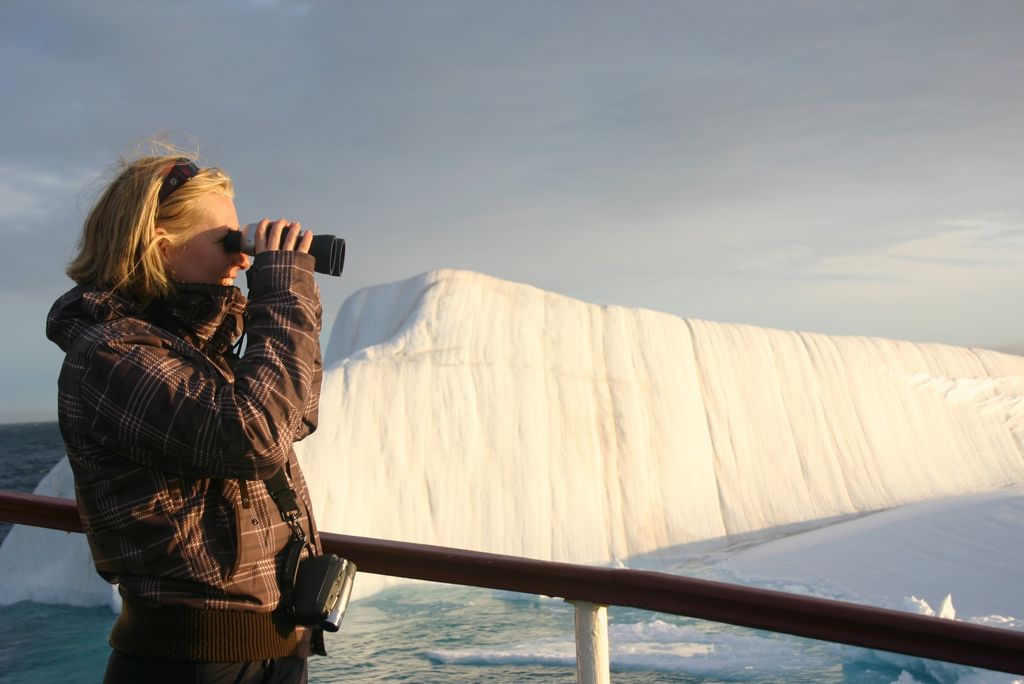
(27, 452)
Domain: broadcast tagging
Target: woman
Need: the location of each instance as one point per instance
(170, 433)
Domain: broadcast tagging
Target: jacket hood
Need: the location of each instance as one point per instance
(213, 313)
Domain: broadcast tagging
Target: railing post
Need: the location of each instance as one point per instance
(592, 666)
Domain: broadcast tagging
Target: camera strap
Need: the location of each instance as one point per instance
(287, 502)
(303, 593)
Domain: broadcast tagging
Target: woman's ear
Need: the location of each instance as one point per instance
(161, 243)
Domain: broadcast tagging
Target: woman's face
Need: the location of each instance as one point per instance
(202, 258)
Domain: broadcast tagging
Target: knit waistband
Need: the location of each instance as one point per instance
(206, 635)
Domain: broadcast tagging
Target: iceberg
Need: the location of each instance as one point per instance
(50, 566)
(462, 410)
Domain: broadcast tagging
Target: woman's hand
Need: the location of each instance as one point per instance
(281, 235)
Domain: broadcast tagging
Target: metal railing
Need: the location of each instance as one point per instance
(591, 588)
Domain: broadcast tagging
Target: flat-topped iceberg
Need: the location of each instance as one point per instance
(462, 410)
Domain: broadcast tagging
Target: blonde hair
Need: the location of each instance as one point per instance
(119, 247)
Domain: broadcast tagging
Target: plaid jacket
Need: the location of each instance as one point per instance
(168, 432)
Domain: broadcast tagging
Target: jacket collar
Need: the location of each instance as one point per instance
(213, 315)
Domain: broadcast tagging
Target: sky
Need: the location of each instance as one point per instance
(837, 167)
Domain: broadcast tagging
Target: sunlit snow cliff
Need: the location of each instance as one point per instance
(467, 411)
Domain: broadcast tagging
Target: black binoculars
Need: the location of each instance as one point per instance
(328, 250)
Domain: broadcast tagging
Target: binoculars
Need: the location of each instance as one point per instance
(328, 250)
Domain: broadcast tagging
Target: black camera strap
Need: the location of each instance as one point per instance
(319, 572)
(287, 501)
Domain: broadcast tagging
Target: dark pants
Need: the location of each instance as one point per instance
(125, 669)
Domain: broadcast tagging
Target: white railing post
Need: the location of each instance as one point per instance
(592, 666)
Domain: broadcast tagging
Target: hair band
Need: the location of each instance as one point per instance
(179, 173)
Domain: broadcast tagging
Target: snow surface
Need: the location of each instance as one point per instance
(908, 558)
(467, 411)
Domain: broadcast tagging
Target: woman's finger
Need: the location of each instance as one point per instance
(292, 236)
(274, 235)
(306, 242)
(260, 238)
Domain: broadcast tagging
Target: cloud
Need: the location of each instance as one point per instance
(784, 163)
(26, 194)
(958, 248)
(40, 214)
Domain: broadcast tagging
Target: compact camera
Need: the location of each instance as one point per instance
(323, 585)
(328, 250)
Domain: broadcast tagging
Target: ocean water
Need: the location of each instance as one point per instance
(27, 452)
(424, 632)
